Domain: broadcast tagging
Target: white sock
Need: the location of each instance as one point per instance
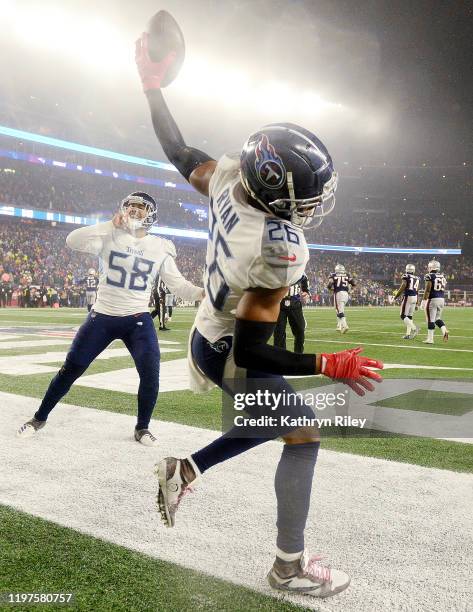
(344, 322)
(408, 326)
(443, 329)
(412, 324)
(288, 556)
(430, 335)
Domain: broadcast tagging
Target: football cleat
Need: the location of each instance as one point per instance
(145, 437)
(307, 575)
(30, 428)
(174, 476)
(406, 337)
(415, 332)
(344, 329)
(445, 336)
(428, 341)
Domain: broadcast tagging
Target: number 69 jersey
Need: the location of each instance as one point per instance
(246, 248)
(439, 282)
(128, 268)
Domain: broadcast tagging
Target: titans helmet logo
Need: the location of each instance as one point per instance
(269, 167)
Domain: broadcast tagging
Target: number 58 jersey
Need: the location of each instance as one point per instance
(129, 266)
(246, 248)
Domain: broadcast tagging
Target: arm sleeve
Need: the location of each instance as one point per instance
(251, 350)
(176, 283)
(186, 159)
(89, 239)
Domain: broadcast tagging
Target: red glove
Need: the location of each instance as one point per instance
(151, 73)
(352, 369)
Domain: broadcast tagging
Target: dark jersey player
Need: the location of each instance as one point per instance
(340, 282)
(259, 203)
(408, 289)
(433, 301)
(91, 283)
(291, 311)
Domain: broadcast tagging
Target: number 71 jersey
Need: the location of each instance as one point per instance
(246, 248)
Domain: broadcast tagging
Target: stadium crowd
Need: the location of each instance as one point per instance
(38, 269)
(33, 185)
(23, 184)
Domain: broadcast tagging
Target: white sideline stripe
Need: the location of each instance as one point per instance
(21, 365)
(9, 337)
(407, 366)
(403, 346)
(367, 331)
(19, 344)
(98, 481)
(174, 376)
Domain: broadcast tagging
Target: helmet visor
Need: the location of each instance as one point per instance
(308, 212)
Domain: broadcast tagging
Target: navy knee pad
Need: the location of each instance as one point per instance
(409, 317)
(431, 325)
(340, 315)
(439, 323)
(402, 317)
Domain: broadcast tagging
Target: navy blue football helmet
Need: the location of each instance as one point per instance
(142, 199)
(289, 172)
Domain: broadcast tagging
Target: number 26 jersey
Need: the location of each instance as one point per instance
(246, 248)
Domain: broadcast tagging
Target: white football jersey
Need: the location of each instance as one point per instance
(129, 266)
(246, 248)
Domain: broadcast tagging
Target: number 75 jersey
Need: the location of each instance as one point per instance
(246, 248)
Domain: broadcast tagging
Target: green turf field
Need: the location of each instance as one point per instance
(103, 573)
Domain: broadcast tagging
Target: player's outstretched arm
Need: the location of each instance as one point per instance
(195, 166)
(256, 317)
(174, 280)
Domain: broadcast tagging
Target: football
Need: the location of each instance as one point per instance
(164, 36)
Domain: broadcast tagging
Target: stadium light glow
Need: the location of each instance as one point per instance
(100, 46)
(74, 146)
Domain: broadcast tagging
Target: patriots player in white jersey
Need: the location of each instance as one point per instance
(130, 259)
(259, 202)
(340, 283)
(408, 289)
(433, 301)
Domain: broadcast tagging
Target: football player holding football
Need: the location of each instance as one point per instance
(408, 289)
(340, 283)
(130, 259)
(259, 203)
(433, 301)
